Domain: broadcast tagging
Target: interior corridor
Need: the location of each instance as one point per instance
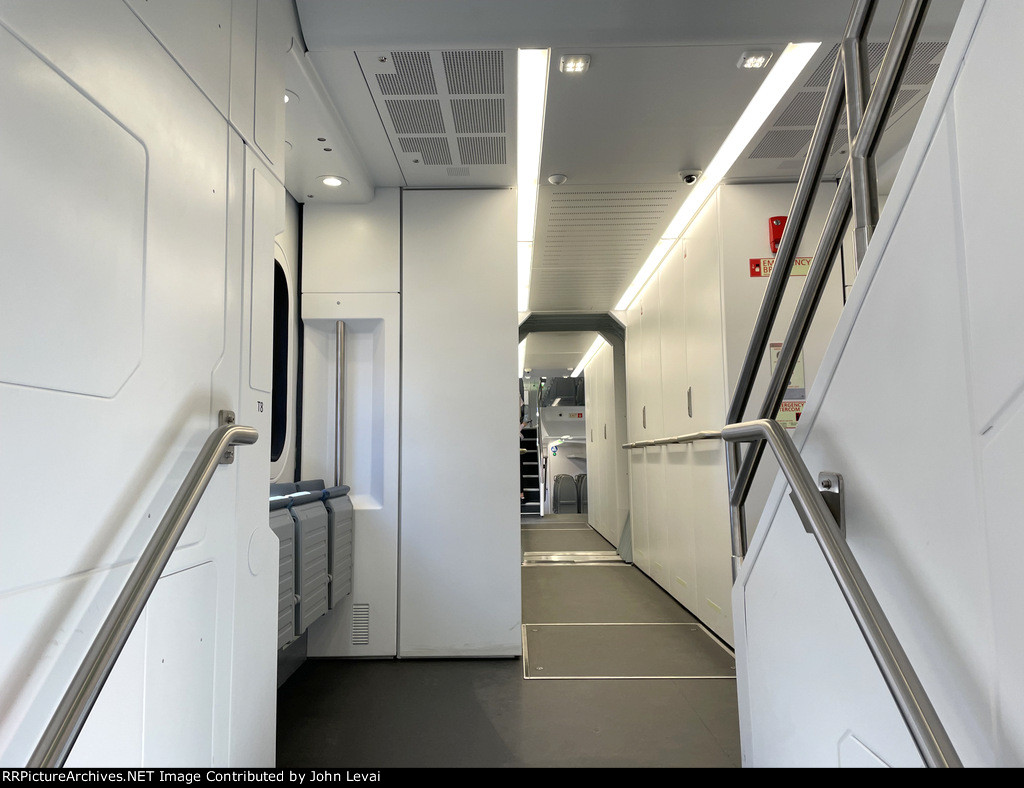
(484, 713)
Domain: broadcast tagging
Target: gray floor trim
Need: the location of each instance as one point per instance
(624, 650)
(564, 541)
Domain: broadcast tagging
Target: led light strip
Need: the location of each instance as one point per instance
(531, 97)
(776, 84)
(588, 356)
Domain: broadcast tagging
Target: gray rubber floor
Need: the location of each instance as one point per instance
(563, 540)
(596, 594)
(484, 713)
(624, 651)
(559, 522)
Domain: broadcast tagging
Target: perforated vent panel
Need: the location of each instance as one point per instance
(414, 75)
(432, 150)
(474, 71)
(802, 110)
(416, 116)
(482, 150)
(781, 144)
(446, 114)
(479, 116)
(924, 63)
(819, 79)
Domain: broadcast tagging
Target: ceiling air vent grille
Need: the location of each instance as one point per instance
(413, 76)
(433, 150)
(921, 69)
(479, 116)
(781, 144)
(820, 77)
(802, 110)
(416, 116)
(482, 150)
(474, 71)
(458, 172)
(361, 624)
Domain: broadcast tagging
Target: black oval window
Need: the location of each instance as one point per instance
(279, 398)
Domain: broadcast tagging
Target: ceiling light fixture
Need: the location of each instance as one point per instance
(755, 59)
(588, 356)
(530, 98)
(776, 84)
(574, 64)
(333, 181)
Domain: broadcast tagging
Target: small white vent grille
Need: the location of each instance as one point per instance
(479, 116)
(803, 110)
(361, 624)
(416, 116)
(482, 150)
(432, 150)
(781, 144)
(413, 76)
(474, 71)
(458, 172)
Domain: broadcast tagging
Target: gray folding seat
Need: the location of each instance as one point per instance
(283, 526)
(339, 543)
(581, 492)
(311, 537)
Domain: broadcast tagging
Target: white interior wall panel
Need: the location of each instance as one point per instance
(366, 623)
(602, 448)
(680, 580)
(197, 34)
(353, 248)
(939, 547)
(134, 433)
(351, 271)
(605, 458)
(705, 364)
(636, 432)
(460, 551)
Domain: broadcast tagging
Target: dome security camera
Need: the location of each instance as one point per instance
(689, 177)
(557, 179)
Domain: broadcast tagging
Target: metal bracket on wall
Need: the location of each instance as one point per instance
(830, 485)
(224, 418)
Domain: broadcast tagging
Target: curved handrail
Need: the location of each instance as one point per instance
(73, 710)
(923, 723)
(691, 437)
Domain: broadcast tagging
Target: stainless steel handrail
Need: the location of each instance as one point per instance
(73, 710)
(339, 399)
(704, 435)
(857, 192)
(923, 723)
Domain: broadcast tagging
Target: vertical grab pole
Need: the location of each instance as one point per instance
(339, 426)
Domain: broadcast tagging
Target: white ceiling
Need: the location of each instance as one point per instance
(662, 92)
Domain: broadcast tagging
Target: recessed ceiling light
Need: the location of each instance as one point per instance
(754, 59)
(574, 64)
(333, 180)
